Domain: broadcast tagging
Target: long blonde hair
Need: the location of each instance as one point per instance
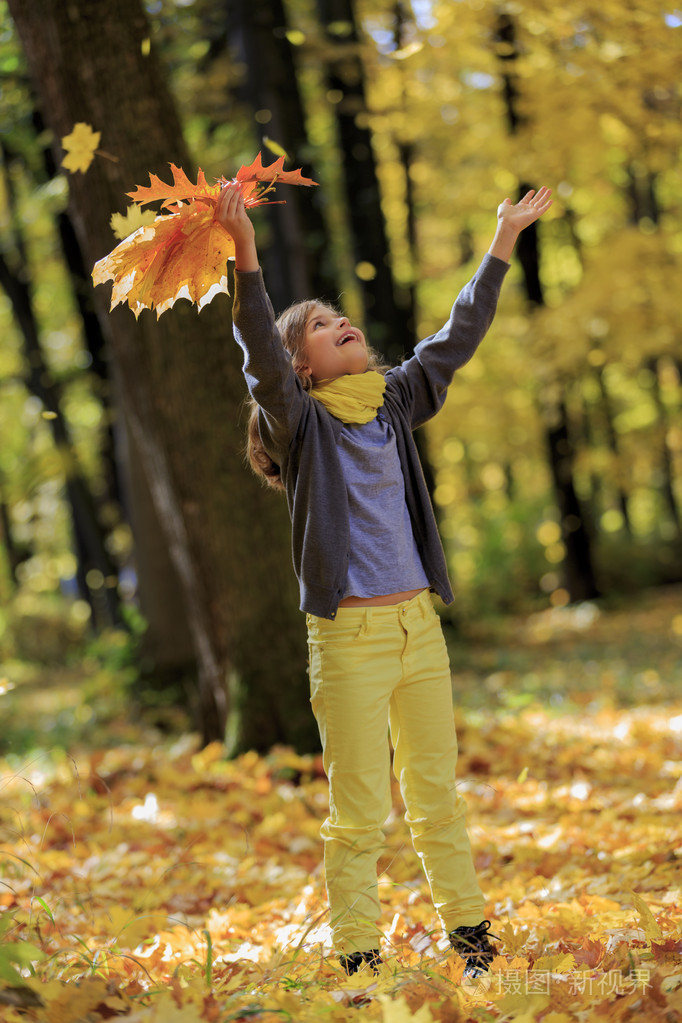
(291, 325)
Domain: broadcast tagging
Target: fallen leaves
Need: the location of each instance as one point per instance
(166, 884)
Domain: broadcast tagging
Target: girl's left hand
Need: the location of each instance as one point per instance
(526, 211)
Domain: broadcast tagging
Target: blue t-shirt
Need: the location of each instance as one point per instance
(383, 553)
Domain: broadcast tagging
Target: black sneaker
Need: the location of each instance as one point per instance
(473, 945)
(352, 962)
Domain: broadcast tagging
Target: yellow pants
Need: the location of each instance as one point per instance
(370, 669)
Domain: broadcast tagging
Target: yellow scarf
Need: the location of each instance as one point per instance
(353, 398)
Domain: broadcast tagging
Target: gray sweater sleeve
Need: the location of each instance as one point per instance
(424, 378)
(267, 366)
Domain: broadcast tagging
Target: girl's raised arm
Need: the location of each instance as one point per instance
(267, 367)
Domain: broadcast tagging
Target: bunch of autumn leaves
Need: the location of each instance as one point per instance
(183, 252)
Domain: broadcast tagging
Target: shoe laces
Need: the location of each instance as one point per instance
(473, 940)
(352, 962)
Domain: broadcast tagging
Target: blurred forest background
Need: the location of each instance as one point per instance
(131, 535)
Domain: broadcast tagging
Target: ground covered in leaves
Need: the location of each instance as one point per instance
(155, 882)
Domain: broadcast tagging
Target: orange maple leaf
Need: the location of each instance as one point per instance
(273, 172)
(590, 953)
(181, 189)
(183, 253)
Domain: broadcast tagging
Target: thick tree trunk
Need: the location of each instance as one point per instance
(181, 375)
(166, 647)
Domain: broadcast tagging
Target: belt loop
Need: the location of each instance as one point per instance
(366, 621)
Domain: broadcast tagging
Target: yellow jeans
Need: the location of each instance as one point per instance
(371, 669)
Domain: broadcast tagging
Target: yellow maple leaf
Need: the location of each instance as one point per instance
(71, 1003)
(130, 928)
(124, 224)
(522, 1007)
(80, 147)
(648, 921)
(396, 1010)
(165, 1009)
(513, 940)
(563, 962)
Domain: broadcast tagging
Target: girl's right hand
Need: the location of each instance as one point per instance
(231, 214)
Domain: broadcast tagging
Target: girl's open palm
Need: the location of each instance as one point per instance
(527, 210)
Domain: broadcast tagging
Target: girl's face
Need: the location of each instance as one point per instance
(332, 348)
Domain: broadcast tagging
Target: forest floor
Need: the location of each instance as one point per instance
(147, 880)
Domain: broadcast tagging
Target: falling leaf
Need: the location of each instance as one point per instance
(124, 224)
(80, 147)
(275, 147)
(406, 51)
(184, 253)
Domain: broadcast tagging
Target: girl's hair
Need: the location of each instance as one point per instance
(291, 325)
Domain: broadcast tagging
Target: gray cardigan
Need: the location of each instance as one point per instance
(301, 436)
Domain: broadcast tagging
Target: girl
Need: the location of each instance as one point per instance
(335, 434)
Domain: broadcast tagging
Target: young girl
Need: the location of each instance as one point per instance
(336, 435)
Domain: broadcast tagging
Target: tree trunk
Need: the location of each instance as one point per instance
(667, 464)
(578, 564)
(88, 537)
(181, 374)
(166, 647)
(15, 553)
(614, 447)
